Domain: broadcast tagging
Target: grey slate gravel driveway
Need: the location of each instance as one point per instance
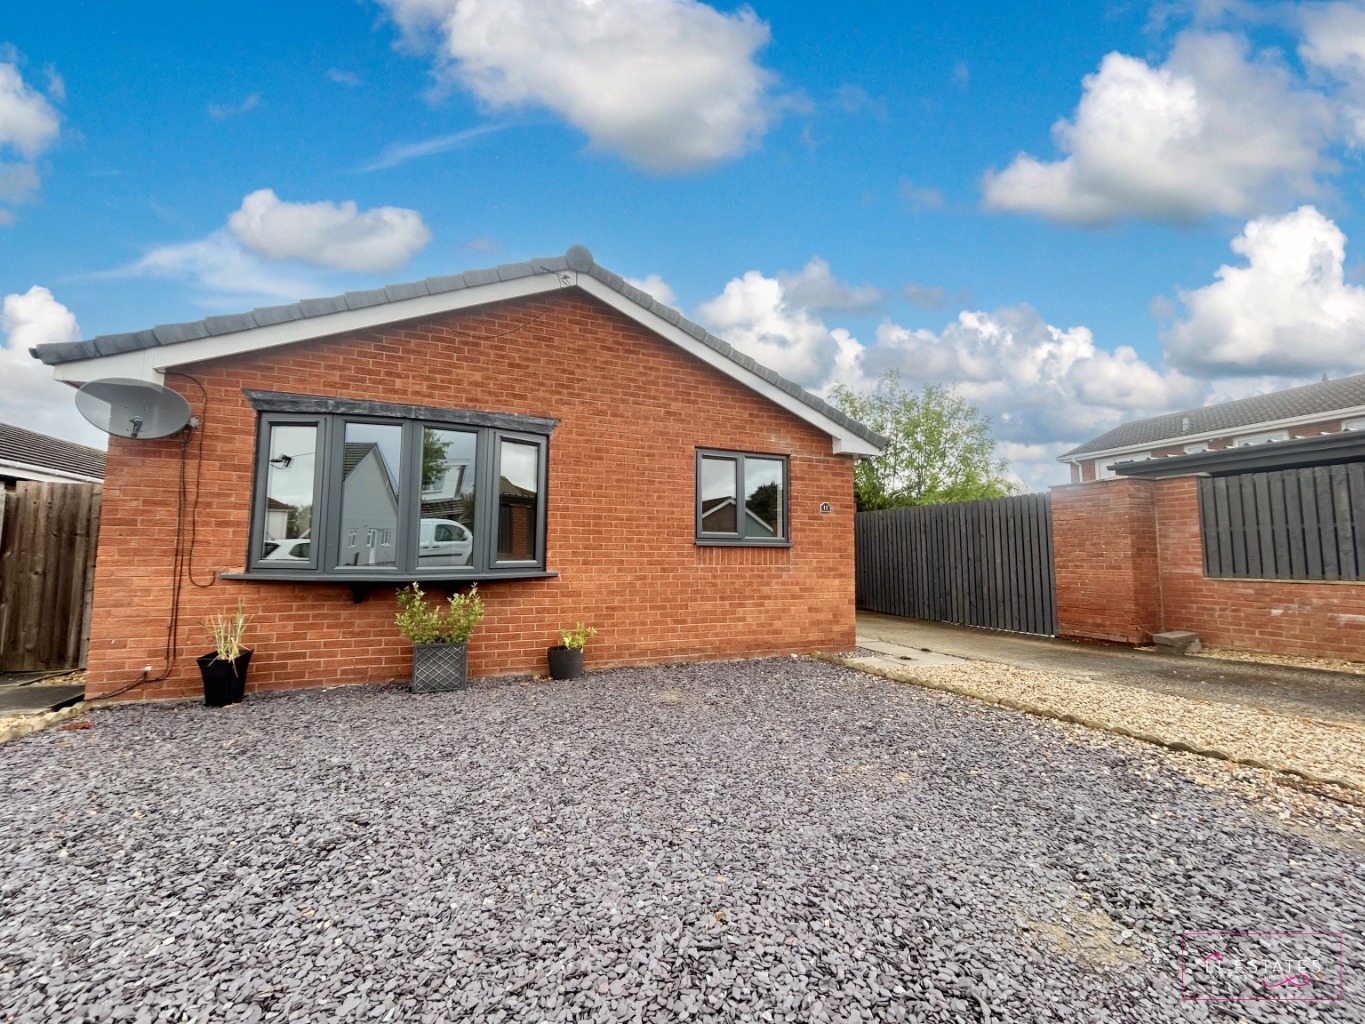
(779, 840)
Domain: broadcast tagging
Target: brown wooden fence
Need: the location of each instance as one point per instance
(976, 563)
(47, 569)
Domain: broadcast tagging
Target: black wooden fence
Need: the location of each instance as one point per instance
(1288, 524)
(977, 563)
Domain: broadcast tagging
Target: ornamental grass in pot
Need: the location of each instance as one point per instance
(566, 660)
(223, 669)
(440, 637)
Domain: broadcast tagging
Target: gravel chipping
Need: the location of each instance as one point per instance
(1321, 750)
(778, 840)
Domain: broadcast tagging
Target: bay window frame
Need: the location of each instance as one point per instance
(330, 416)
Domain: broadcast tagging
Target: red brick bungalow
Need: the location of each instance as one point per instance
(543, 428)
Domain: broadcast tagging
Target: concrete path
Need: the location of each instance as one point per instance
(1302, 692)
(22, 694)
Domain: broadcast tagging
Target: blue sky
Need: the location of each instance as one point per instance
(1078, 214)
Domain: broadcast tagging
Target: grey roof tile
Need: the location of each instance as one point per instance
(34, 449)
(321, 307)
(362, 300)
(268, 316)
(230, 324)
(169, 334)
(447, 283)
(478, 277)
(581, 263)
(399, 292)
(1323, 398)
(513, 271)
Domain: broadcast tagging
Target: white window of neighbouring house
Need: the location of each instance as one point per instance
(741, 498)
(1267, 438)
(1355, 424)
(358, 489)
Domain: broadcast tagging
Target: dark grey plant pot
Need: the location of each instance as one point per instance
(439, 668)
(565, 662)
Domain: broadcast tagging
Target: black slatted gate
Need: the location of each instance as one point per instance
(976, 563)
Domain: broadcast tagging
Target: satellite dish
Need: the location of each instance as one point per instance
(132, 408)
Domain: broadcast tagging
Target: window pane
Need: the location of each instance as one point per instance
(369, 494)
(289, 479)
(762, 498)
(518, 496)
(717, 495)
(446, 533)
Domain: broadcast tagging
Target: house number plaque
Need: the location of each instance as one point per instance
(826, 508)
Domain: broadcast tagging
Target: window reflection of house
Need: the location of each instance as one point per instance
(516, 522)
(369, 506)
(718, 516)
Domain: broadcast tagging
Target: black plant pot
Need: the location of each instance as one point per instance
(224, 681)
(565, 662)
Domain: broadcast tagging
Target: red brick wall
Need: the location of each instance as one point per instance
(632, 410)
(1105, 552)
(1279, 616)
(1130, 563)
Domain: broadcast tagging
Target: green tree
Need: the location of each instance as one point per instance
(940, 449)
(433, 458)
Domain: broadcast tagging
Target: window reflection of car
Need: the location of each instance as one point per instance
(445, 542)
(296, 550)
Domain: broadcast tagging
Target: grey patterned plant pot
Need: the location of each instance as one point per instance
(437, 668)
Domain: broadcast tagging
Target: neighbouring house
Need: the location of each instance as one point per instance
(543, 428)
(27, 455)
(1328, 407)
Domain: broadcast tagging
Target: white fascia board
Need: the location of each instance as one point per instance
(45, 474)
(1263, 427)
(845, 442)
(152, 363)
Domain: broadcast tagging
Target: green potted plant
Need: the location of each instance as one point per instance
(439, 638)
(224, 668)
(566, 660)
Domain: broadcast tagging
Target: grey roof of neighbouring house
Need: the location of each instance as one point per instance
(44, 452)
(576, 260)
(1324, 398)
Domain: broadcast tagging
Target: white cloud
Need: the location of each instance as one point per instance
(1213, 130)
(815, 287)
(341, 77)
(227, 273)
(222, 113)
(1287, 311)
(29, 126)
(671, 85)
(29, 397)
(656, 286)
(401, 153)
(1046, 388)
(1334, 45)
(329, 234)
(753, 314)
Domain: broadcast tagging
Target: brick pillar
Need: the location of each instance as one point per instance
(1105, 551)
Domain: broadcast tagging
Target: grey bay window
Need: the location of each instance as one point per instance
(354, 491)
(741, 498)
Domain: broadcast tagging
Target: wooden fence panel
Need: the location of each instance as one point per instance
(976, 563)
(48, 535)
(1289, 524)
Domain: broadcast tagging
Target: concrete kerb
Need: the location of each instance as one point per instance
(36, 723)
(899, 675)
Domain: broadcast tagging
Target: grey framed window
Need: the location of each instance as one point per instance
(741, 498)
(356, 491)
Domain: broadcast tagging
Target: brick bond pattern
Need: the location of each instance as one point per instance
(1129, 564)
(632, 410)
